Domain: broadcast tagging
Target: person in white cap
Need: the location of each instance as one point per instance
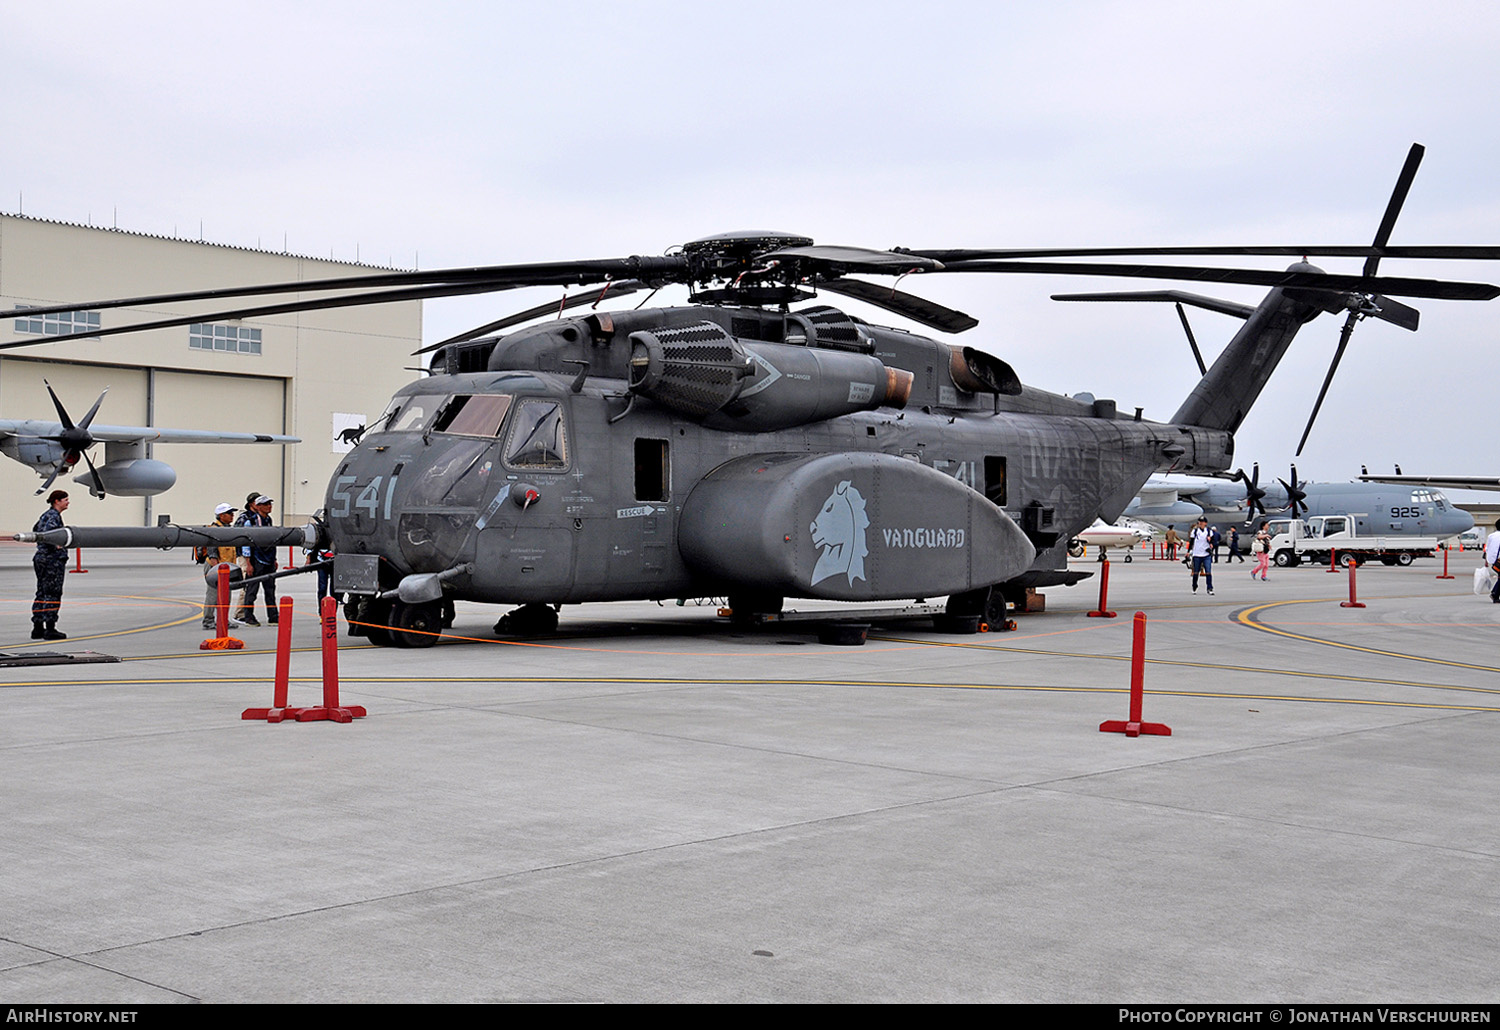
(210, 558)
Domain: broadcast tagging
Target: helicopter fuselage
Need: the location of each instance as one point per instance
(522, 486)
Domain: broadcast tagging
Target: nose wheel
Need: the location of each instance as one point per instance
(416, 625)
(395, 623)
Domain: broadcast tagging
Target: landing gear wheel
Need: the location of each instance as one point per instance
(374, 618)
(988, 604)
(748, 604)
(416, 625)
(1129, 557)
(529, 620)
(353, 615)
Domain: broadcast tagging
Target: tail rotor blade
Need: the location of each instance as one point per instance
(1193, 343)
(1338, 355)
(1393, 207)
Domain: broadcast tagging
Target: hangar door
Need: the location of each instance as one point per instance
(210, 473)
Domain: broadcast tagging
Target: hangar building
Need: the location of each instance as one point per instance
(311, 374)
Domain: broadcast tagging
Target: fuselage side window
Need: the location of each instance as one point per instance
(652, 470)
(538, 439)
(994, 479)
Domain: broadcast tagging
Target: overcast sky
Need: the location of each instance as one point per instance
(478, 133)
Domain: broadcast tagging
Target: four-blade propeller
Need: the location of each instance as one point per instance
(75, 440)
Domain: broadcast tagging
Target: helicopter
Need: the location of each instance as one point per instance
(758, 444)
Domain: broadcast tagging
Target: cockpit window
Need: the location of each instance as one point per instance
(537, 439)
(473, 414)
(413, 414)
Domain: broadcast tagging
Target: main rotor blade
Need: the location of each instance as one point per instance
(855, 259)
(1338, 355)
(557, 273)
(289, 307)
(918, 309)
(1442, 252)
(1396, 286)
(1223, 307)
(622, 288)
(1393, 206)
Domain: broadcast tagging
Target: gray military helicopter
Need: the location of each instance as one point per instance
(745, 446)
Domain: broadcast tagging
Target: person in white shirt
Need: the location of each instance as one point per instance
(1201, 548)
(1492, 557)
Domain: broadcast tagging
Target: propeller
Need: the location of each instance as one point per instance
(1254, 492)
(1362, 306)
(1295, 495)
(75, 440)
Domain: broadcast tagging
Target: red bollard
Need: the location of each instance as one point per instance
(1351, 603)
(1134, 727)
(330, 709)
(1102, 612)
(278, 710)
(222, 641)
(78, 560)
(1333, 560)
(1445, 564)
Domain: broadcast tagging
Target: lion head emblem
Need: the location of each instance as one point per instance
(839, 530)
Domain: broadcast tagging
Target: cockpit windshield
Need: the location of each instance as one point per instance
(473, 414)
(463, 414)
(411, 414)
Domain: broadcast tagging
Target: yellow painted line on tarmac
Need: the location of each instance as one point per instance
(1247, 618)
(74, 638)
(648, 681)
(1220, 667)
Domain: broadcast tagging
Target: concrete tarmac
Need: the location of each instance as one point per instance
(650, 805)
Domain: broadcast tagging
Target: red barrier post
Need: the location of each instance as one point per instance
(78, 560)
(1103, 612)
(1351, 603)
(330, 709)
(1445, 563)
(1134, 727)
(1333, 560)
(278, 710)
(222, 641)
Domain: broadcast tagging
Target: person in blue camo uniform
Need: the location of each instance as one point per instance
(51, 564)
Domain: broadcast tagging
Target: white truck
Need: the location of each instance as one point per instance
(1336, 537)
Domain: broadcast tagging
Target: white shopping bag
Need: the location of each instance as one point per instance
(1484, 581)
